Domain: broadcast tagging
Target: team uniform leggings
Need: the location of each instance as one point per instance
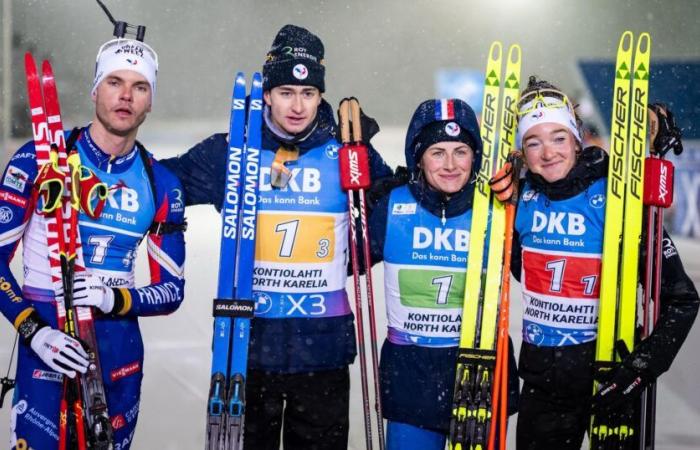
(309, 410)
(34, 417)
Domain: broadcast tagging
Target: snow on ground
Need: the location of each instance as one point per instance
(176, 369)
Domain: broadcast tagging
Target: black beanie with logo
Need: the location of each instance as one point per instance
(296, 57)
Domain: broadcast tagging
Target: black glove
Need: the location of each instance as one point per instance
(620, 386)
(382, 186)
(664, 134)
(369, 126)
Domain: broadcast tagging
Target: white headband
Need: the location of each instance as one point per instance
(546, 112)
(126, 54)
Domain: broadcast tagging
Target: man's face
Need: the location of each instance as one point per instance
(122, 101)
(292, 107)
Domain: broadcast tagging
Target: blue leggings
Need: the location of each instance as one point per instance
(401, 436)
(34, 417)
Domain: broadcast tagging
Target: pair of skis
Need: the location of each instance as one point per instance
(617, 315)
(354, 179)
(480, 395)
(84, 420)
(234, 305)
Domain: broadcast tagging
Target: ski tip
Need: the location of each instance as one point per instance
(514, 54)
(644, 43)
(29, 62)
(495, 50)
(46, 69)
(257, 79)
(626, 41)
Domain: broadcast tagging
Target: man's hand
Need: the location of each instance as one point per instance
(88, 290)
(59, 351)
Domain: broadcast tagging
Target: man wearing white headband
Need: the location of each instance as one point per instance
(558, 240)
(144, 200)
(123, 90)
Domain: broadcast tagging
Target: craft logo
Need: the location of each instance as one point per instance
(300, 72)
(23, 155)
(537, 115)
(452, 129)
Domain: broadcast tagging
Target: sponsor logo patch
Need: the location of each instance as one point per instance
(178, 205)
(118, 422)
(669, 248)
(332, 151)
(263, 303)
(5, 214)
(47, 376)
(403, 209)
(597, 201)
(15, 199)
(15, 178)
(21, 407)
(23, 155)
(6, 287)
(300, 72)
(125, 371)
(529, 195)
(452, 129)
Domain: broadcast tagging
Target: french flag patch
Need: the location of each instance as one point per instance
(444, 109)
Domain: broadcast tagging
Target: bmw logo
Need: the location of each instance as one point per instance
(263, 303)
(534, 333)
(5, 214)
(597, 201)
(332, 151)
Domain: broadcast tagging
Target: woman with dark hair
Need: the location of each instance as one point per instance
(420, 229)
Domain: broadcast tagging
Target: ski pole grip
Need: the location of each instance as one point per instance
(234, 308)
(658, 182)
(354, 167)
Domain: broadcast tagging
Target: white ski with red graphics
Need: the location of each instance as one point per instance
(84, 420)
